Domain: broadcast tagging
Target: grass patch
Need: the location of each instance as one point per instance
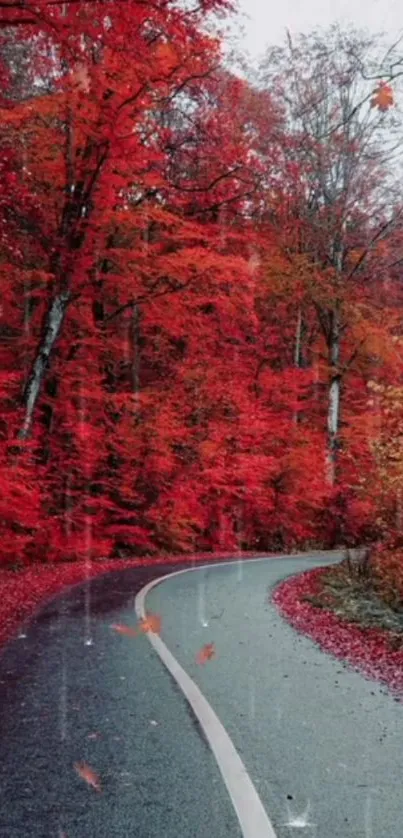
(348, 591)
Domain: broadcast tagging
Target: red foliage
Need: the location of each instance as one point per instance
(164, 323)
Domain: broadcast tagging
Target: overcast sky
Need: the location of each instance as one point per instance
(268, 19)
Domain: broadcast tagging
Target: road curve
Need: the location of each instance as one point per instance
(322, 745)
(306, 730)
(252, 816)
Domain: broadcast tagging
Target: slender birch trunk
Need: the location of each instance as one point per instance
(298, 353)
(333, 415)
(53, 324)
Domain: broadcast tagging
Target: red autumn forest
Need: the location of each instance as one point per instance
(201, 309)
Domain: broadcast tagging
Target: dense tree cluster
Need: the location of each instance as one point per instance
(200, 287)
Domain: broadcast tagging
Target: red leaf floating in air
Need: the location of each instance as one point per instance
(88, 775)
(383, 97)
(205, 653)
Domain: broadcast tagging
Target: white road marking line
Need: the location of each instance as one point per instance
(249, 808)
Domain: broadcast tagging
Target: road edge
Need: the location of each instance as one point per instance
(251, 814)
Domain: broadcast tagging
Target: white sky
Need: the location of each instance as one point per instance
(268, 19)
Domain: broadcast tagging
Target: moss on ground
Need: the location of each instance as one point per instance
(354, 599)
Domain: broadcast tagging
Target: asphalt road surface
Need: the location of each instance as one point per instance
(322, 746)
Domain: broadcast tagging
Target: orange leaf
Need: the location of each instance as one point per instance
(122, 629)
(151, 623)
(383, 97)
(205, 653)
(88, 775)
(166, 55)
(81, 78)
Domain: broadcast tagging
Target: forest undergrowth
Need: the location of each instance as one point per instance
(354, 611)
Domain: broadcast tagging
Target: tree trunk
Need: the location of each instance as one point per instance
(136, 351)
(53, 325)
(298, 341)
(333, 415)
(399, 510)
(298, 353)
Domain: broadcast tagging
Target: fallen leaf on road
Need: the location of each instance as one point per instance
(86, 773)
(122, 629)
(205, 653)
(151, 623)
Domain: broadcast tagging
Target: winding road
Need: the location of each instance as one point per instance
(274, 737)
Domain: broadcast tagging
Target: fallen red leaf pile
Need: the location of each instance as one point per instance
(367, 650)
